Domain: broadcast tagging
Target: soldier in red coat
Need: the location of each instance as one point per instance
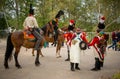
(78, 40)
(68, 36)
(99, 44)
(101, 24)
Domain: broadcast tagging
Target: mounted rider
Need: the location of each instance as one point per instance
(55, 24)
(30, 24)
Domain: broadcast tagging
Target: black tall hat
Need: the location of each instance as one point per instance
(31, 11)
(59, 14)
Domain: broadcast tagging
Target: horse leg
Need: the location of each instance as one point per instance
(16, 57)
(6, 63)
(41, 54)
(37, 63)
(58, 50)
(33, 52)
(26, 49)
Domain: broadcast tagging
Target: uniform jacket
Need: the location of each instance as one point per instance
(95, 41)
(30, 22)
(75, 49)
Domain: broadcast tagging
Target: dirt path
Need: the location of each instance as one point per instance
(56, 68)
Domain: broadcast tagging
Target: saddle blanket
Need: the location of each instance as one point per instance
(28, 36)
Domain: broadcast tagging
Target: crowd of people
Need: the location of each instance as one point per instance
(115, 40)
(74, 39)
(99, 43)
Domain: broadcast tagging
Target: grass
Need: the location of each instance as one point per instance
(116, 76)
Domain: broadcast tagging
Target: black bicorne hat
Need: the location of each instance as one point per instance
(59, 14)
(31, 11)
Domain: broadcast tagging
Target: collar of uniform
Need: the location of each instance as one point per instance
(30, 15)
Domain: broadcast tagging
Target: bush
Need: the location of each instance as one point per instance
(116, 76)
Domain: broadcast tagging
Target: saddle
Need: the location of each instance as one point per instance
(29, 36)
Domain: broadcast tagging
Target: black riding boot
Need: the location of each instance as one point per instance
(72, 66)
(101, 63)
(37, 45)
(97, 65)
(76, 66)
(68, 59)
(38, 37)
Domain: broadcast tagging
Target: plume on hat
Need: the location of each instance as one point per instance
(59, 14)
(31, 11)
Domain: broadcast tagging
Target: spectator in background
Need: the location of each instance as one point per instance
(118, 40)
(114, 40)
(118, 35)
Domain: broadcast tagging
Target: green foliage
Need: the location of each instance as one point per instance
(84, 12)
(3, 24)
(116, 76)
(113, 27)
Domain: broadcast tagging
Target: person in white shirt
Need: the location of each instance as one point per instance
(31, 25)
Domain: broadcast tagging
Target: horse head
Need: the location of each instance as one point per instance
(48, 29)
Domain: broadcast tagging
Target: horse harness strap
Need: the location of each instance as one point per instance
(50, 24)
(78, 37)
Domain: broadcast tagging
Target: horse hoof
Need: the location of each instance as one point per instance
(37, 63)
(18, 66)
(58, 56)
(42, 55)
(6, 66)
(33, 55)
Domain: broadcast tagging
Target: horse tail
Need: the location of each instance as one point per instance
(9, 48)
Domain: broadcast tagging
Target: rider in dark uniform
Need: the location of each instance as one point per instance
(55, 23)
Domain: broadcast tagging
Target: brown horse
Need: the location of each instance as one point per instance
(49, 37)
(48, 31)
(16, 40)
